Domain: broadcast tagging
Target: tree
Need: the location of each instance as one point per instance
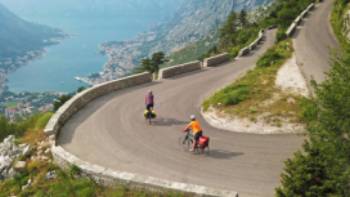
(317, 171)
(61, 100)
(228, 30)
(230, 25)
(158, 59)
(322, 168)
(243, 21)
(152, 64)
(64, 98)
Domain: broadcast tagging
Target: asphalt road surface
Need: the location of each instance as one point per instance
(314, 41)
(112, 132)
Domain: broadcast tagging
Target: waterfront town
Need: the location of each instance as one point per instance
(16, 106)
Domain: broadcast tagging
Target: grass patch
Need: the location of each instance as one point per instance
(66, 184)
(231, 95)
(275, 56)
(63, 185)
(33, 128)
(255, 94)
(30, 127)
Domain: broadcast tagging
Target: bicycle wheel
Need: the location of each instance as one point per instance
(185, 143)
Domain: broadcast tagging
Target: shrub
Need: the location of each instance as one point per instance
(61, 100)
(309, 110)
(234, 51)
(42, 120)
(231, 95)
(74, 170)
(275, 55)
(269, 58)
(281, 35)
(235, 95)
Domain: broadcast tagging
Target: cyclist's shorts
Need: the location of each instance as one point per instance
(149, 107)
(198, 135)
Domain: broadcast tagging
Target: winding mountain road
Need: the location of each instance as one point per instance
(112, 132)
(313, 42)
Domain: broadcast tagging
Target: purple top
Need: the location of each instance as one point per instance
(149, 99)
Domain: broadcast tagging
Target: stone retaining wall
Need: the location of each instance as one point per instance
(179, 69)
(290, 31)
(216, 60)
(86, 96)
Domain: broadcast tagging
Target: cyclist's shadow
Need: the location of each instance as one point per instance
(168, 122)
(222, 154)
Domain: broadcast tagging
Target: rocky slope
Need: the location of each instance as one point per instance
(194, 20)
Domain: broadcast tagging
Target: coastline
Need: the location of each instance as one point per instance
(18, 105)
(122, 57)
(11, 64)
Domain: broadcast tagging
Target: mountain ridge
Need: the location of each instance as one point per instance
(195, 20)
(19, 36)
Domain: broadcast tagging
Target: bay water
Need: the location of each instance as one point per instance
(90, 23)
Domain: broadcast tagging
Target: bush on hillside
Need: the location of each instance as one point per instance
(234, 95)
(322, 168)
(61, 100)
(237, 32)
(19, 128)
(64, 98)
(7, 128)
(283, 12)
(270, 58)
(275, 55)
(281, 35)
(231, 95)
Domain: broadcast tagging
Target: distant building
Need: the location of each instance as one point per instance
(46, 108)
(10, 113)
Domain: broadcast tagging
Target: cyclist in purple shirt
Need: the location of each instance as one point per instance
(149, 101)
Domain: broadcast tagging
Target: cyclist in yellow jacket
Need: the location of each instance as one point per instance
(196, 129)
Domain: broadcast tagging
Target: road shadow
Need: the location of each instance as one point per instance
(168, 122)
(222, 154)
(251, 53)
(300, 27)
(66, 132)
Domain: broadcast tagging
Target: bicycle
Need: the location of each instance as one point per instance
(149, 115)
(187, 141)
